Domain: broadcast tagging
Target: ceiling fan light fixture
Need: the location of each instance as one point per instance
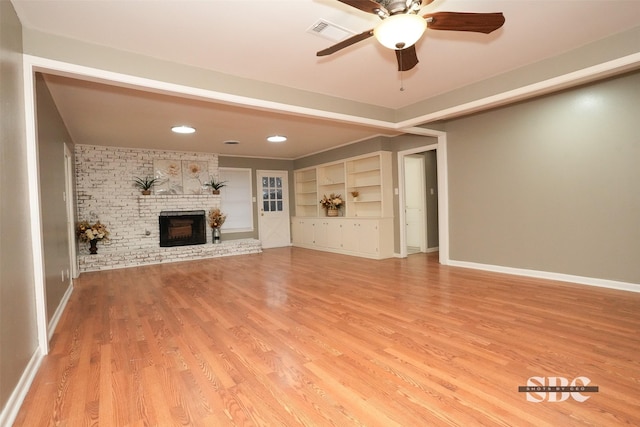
(400, 31)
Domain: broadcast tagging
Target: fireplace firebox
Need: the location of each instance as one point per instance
(182, 228)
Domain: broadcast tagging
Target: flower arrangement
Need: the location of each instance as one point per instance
(355, 193)
(334, 201)
(216, 218)
(87, 232)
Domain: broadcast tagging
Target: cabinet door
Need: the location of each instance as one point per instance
(320, 233)
(368, 237)
(328, 233)
(308, 232)
(350, 236)
(361, 236)
(334, 233)
(297, 231)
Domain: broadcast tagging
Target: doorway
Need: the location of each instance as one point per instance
(415, 204)
(418, 181)
(273, 221)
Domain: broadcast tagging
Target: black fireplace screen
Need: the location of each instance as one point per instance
(181, 228)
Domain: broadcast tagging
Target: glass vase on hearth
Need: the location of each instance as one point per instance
(216, 235)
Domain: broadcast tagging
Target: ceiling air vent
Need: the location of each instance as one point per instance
(329, 31)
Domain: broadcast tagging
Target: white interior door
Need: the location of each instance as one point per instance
(273, 219)
(415, 208)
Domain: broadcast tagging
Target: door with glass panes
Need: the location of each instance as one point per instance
(273, 209)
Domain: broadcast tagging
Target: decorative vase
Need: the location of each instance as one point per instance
(355, 198)
(332, 212)
(216, 235)
(146, 192)
(93, 246)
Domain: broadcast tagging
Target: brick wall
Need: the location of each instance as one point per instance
(105, 192)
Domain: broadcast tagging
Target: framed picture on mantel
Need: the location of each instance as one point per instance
(194, 176)
(181, 177)
(169, 175)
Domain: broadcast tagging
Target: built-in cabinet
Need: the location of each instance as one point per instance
(365, 224)
(365, 237)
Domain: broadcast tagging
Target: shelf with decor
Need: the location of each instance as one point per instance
(370, 176)
(331, 179)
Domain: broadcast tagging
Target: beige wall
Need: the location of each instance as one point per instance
(18, 332)
(551, 184)
(52, 134)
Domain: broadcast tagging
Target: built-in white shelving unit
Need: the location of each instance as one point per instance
(365, 224)
(306, 193)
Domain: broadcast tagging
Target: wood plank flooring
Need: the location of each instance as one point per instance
(298, 337)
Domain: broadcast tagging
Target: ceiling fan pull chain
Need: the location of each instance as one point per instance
(401, 75)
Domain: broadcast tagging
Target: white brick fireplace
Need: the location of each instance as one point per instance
(105, 192)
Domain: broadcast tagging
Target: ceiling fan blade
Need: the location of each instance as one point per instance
(368, 6)
(464, 21)
(345, 43)
(407, 58)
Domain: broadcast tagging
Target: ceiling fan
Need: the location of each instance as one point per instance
(401, 26)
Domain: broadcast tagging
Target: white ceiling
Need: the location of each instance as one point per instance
(267, 41)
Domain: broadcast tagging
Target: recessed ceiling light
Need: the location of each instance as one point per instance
(183, 129)
(277, 138)
(232, 142)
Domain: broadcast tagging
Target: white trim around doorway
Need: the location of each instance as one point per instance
(443, 192)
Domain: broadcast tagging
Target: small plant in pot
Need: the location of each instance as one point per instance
(215, 185)
(145, 184)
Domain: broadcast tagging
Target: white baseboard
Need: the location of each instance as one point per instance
(10, 411)
(590, 281)
(427, 251)
(51, 327)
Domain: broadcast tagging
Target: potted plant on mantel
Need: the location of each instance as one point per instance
(145, 184)
(215, 185)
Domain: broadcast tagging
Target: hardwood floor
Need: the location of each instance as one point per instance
(299, 337)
